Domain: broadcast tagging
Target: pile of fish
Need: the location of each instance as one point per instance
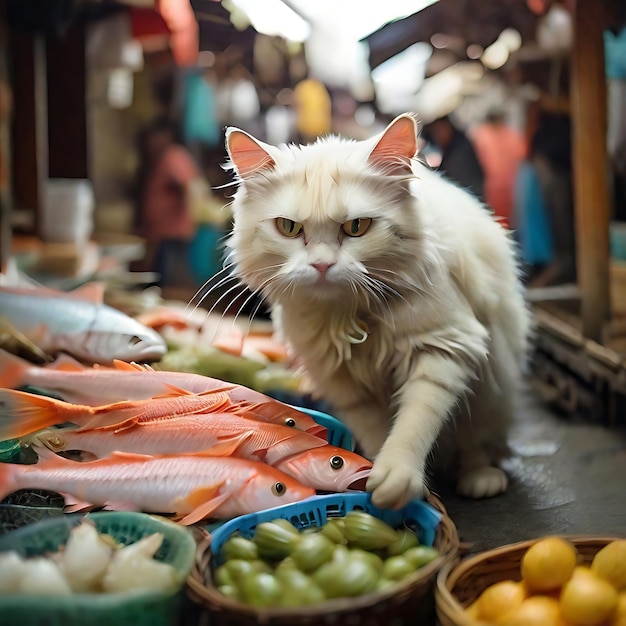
(166, 442)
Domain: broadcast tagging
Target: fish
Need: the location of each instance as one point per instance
(191, 487)
(328, 468)
(80, 324)
(305, 457)
(97, 386)
(235, 434)
(22, 413)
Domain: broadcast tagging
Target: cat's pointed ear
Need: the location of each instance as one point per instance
(397, 145)
(248, 155)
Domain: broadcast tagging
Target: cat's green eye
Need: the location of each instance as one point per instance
(288, 227)
(357, 227)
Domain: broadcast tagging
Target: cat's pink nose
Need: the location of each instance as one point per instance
(322, 268)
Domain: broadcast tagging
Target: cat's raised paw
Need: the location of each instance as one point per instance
(483, 482)
(392, 486)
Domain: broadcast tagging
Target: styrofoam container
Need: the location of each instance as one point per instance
(68, 211)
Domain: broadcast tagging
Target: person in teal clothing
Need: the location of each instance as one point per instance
(532, 225)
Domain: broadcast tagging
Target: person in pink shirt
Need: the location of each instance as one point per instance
(165, 209)
(500, 149)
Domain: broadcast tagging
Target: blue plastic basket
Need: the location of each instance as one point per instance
(417, 514)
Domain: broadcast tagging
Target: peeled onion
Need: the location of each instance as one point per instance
(85, 558)
(41, 576)
(11, 567)
(132, 567)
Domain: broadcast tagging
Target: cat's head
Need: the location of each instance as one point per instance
(324, 219)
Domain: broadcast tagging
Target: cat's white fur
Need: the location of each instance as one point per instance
(433, 285)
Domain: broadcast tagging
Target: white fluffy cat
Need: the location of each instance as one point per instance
(398, 292)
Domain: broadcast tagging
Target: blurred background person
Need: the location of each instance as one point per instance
(500, 150)
(164, 196)
(313, 110)
(531, 223)
(550, 156)
(459, 161)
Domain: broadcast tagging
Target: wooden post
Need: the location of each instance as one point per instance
(6, 98)
(30, 129)
(591, 193)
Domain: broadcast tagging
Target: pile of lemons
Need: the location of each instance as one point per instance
(556, 590)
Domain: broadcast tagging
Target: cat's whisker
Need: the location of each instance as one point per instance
(239, 285)
(254, 293)
(204, 286)
(224, 281)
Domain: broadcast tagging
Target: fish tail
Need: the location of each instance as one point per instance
(12, 369)
(23, 413)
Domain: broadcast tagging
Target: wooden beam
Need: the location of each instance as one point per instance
(67, 104)
(591, 193)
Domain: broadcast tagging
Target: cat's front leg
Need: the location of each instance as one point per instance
(425, 401)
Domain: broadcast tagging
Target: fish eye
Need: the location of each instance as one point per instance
(290, 422)
(288, 228)
(279, 489)
(357, 227)
(336, 462)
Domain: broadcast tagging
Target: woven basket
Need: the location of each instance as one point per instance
(145, 608)
(460, 583)
(411, 598)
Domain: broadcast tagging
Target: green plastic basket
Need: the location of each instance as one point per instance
(99, 609)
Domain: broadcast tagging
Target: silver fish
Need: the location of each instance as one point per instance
(78, 323)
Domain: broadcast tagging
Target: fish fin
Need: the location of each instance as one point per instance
(116, 427)
(12, 369)
(226, 446)
(75, 505)
(66, 363)
(205, 501)
(127, 367)
(90, 292)
(176, 391)
(23, 413)
(121, 505)
(116, 457)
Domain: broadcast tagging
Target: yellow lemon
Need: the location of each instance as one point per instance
(586, 599)
(499, 599)
(548, 563)
(610, 564)
(471, 611)
(619, 616)
(535, 611)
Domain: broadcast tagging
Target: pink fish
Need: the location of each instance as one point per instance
(23, 413)
(327, 468)
(230, 433)
(194, 487)
(98, 386)
(305, 457)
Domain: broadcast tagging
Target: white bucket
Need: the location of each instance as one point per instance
(68, 211)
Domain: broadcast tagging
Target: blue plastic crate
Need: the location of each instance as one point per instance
(338, 433)
(417, 514)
